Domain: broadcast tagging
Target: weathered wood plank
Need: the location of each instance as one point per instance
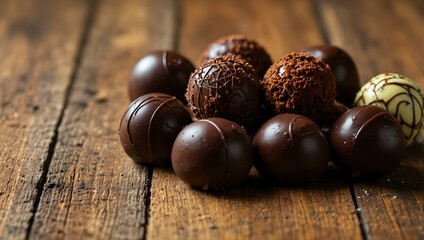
(39, 42)
(93, 189)
(385, 36)
(322, 209)
(278, 25)
(256, 210)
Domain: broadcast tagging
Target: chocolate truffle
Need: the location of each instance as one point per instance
(367, 140)
(242, 46)
(212, 154)
(161, 71)
(344, 69)
(290, 148)
(302, 84)
(227, 87)
(149, 127)
(401, 97)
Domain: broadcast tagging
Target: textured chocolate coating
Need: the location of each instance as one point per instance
(149, 127)
(344, 69)
(367, 140)
(302, 84)
(227, 87)
(212, 154)
(161, 71)
(290, 148)
(244, 47)
(401, 97)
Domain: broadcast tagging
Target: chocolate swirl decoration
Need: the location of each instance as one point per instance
(401, 97)
(149, 127)
(226, 87)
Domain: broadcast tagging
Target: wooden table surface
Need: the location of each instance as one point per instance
(64, 67)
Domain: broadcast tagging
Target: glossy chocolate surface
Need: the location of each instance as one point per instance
(242, 46)
(161, 71)
(149, 127)
(226, 87)
(212, 154)
(344, 69)
(290, 148)
(367, 140)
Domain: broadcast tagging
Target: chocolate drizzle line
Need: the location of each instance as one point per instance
(227, 167)
(366, 124)
(291, 129)
(165, 64)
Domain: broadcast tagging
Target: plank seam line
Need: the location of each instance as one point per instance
(358, 210)
(148, 189)
(176, 41)
(177, 27)
(87, 25)
(320, 20)
(92, 13)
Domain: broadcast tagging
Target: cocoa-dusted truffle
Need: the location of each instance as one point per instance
(290, 148)
(302, 84)
(226, 87)
(244, 47)
(212, 154)
(160, 71)
(149, 127)
(367, 140)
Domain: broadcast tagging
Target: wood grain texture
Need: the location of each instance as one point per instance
(323, 209)
(378, 35)
(93, 189)
(255, 210)
(385, 36)
(64, 67)
(38, 44)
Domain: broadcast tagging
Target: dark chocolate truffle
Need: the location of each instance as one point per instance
(290, 148)
(212, 154)
(227, 87)
(161, 71)
(149, 127)
(367, 140)
(344, 69)
(242, 46)
(302, 84)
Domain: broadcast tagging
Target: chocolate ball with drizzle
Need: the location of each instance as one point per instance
(367, 140)
(400, 96)
(226, 87)
(149, 127)
(212, 154)
(290, 148)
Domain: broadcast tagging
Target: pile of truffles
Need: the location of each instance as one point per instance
(289, 118)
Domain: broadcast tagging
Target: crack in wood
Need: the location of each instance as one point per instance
(320, 21)
(88, 23)
(358, 208)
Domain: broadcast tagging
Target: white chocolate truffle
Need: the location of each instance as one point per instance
(400, 96)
